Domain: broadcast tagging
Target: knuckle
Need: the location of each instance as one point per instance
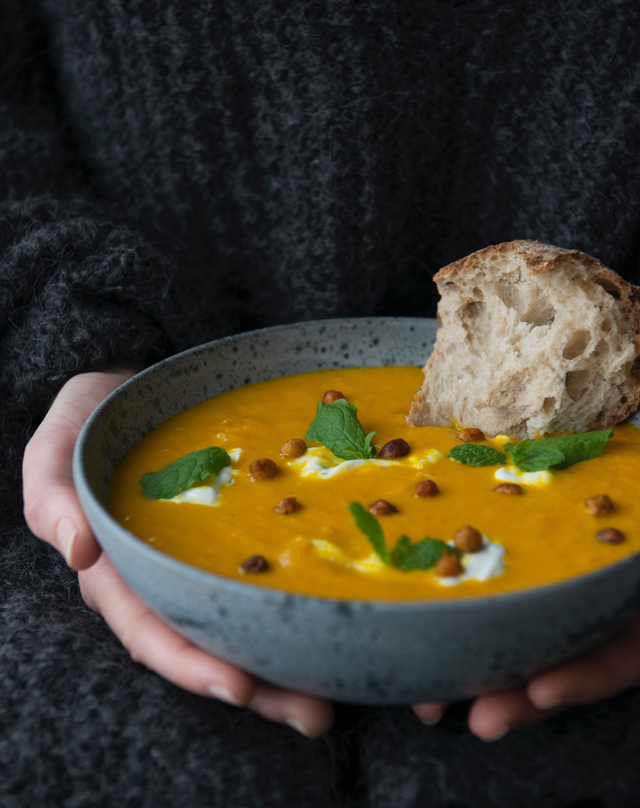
(86, 592)
(135, 654)
(130, 640)
(33, 507)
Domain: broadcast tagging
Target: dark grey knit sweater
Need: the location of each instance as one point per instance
(171, 171)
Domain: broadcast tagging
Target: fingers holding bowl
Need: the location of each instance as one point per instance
(431, 712)
(491, 717)
(51, 507)
(53, 513)
(308, 715)
(599, 674)
(156, 645)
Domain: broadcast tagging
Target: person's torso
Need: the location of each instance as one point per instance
(328, 158)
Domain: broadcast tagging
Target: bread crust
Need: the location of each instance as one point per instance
(537, 258)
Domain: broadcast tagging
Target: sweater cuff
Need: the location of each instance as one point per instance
(76, 293)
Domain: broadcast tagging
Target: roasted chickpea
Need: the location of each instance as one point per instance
(467, 539)
(509, 489)
(394, 448)
(610, 535)
(381, 508)
(288, 505)
(427, 488)
(256, 563)
(449, 565)
(332, 395)
(262, 469)
(600, 505)
(293, 448)
(470, 434)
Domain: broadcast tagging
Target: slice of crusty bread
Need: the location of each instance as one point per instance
(534, 339)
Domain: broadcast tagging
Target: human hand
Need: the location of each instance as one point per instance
(53, 513)
(599, 674)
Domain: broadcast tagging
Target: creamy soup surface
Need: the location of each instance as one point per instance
(541, 536)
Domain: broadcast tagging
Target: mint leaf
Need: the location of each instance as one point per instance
(529, 457)
(336, 426)
(474, 455)
(370, 526)
(557, 452)
(183, 473)
(407, 556)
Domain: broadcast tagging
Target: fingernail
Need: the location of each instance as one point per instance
(296, 724)
(221, 693)
(430, 715)
(495, 737)
(431, 721)
(548, 703)
(66, 535)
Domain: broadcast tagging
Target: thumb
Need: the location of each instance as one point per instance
(51, 507)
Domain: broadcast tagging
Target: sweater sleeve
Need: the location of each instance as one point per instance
(78, 289)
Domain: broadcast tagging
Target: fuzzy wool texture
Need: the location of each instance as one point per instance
(82, 725)
(172, 172)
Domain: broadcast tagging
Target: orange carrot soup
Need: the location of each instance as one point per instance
(272, 485)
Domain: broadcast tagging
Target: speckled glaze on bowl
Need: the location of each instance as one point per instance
(365, 652)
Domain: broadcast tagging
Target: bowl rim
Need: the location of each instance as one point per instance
(454, 602)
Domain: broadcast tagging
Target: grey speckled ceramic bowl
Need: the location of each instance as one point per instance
(355, 651)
